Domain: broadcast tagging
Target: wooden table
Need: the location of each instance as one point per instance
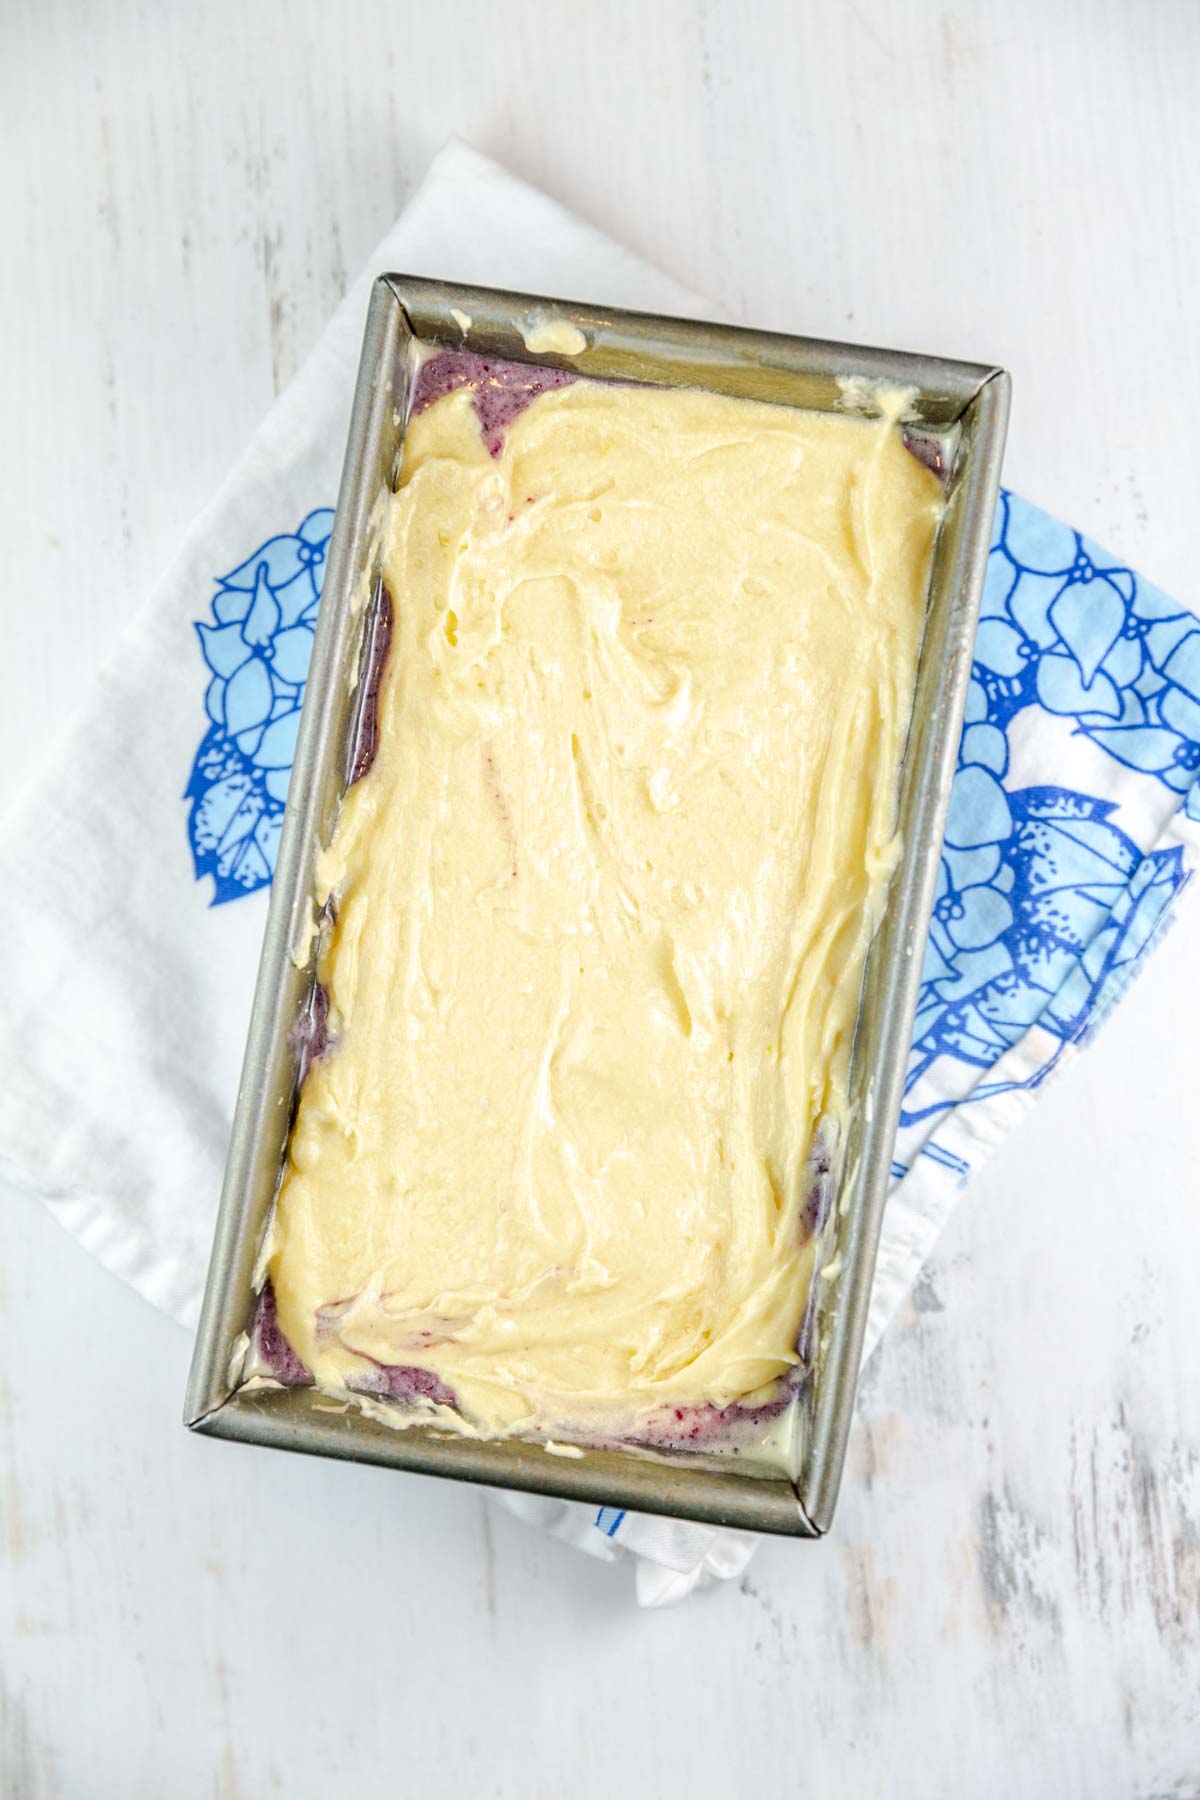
(1009, 1604)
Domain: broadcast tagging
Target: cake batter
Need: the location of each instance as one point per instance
(603, 903)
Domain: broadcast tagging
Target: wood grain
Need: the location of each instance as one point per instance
(1010, 1601)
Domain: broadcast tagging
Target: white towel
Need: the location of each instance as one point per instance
(143, 854)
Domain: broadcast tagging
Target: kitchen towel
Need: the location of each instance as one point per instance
(144, 851)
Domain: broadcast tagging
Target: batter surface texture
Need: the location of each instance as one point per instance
(603, 903)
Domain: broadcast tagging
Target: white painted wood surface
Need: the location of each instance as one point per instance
(1010, 1600)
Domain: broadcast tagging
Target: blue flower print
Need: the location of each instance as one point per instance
(257, 647)
(1066, 628)
(1043, 903)
(972, 909)
(1036, 926)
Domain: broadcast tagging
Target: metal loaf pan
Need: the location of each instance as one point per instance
(962, 410)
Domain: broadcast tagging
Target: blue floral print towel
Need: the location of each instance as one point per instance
(256, 643)
(144, 855)
(1074, 827)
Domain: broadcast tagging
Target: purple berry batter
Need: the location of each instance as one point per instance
(378, 642)
(928, 450)
(820, 1184)
(310, 1033)
(500, 390)
(398, 1381)
(272, 1348)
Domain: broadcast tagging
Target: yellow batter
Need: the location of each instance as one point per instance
(604, 903)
